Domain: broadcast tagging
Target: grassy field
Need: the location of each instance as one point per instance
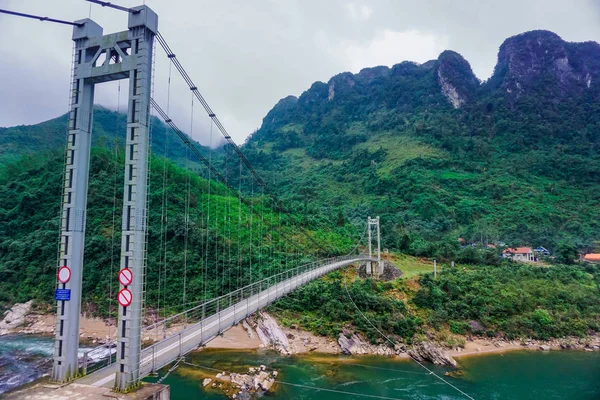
(400, 149)
(409, 265)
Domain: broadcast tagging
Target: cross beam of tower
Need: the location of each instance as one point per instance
(101, 58)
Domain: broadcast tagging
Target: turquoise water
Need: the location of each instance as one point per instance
(563, 375)
(520, 375)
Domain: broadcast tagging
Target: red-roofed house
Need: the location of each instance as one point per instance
(519, 254)
(592, 257)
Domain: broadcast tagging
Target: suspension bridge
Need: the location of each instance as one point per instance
(236, 258)
(258, 273)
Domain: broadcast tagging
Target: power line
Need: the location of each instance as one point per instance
(39, 17)
(393, 343)
(372, 396)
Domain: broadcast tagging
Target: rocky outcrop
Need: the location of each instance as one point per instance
(456, 78)
(15, 317)
(270, 333)
(352, 343)
(390, 271)
(426, 351)
(540, 62)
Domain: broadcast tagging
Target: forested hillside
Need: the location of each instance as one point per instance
(108, 131)
(219, 224)
(441, 156)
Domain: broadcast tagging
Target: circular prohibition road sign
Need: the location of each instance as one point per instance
(125, 277)
(124, 297)
(64, 274)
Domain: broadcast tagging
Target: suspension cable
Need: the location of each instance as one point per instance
(208, 208)
(221, 128)
(40, 18)
(164, 211)
(187, 209)
(112, 238)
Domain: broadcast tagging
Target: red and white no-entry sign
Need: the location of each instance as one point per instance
(125, 277)
(124, 297)
(64, 274)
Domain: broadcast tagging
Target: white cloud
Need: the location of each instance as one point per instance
(390, 47)
(356, 12)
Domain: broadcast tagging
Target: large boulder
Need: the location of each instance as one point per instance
(270, 333)
(352, 343)
(426, 351)
(15, 317)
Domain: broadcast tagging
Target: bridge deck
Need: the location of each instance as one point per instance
(168, 350)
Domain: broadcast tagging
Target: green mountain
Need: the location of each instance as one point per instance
(441, 156)
(108, 131)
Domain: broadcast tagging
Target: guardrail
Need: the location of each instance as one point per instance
(212, 317)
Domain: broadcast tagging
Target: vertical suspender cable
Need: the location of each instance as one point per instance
(251, 221)
(239, 233)
(112, 237)
(228, 216)
(187, 209)
(208, 211)
(164, 211)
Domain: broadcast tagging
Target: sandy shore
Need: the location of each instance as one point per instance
(95, 330)
(305, 342)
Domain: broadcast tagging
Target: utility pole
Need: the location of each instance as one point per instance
(434, 268)
(102, 58)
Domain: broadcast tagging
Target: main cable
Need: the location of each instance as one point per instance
(225, 134)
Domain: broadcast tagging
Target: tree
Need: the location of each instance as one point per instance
(566, 252)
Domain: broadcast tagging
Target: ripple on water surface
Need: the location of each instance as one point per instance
(520, 375)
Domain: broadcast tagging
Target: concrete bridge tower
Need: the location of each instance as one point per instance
(101, 58)
(374, 222)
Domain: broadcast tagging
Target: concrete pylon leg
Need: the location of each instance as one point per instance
(74, 208)
(133, 242)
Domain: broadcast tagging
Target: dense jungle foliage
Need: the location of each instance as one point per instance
(258, 241)
(509, 300)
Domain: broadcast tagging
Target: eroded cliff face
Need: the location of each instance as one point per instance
(541, 63)
(457, 81)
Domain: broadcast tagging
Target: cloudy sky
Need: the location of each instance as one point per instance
(245, 55)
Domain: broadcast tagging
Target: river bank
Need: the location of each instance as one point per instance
(264, 331)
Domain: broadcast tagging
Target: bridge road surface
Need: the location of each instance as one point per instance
(168, 350)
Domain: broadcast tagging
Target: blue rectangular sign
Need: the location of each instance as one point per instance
(62, 294)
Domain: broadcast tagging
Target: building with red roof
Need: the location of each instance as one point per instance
(524, 254)
(592, 257)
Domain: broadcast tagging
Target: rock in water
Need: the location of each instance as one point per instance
(271, 334)
(244, 381)
(15, 317)
(426, 351)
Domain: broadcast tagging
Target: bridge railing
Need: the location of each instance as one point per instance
(205, 321)
(171, 331)
(213, 306)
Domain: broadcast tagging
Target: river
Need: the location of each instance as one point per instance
(518, 375)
